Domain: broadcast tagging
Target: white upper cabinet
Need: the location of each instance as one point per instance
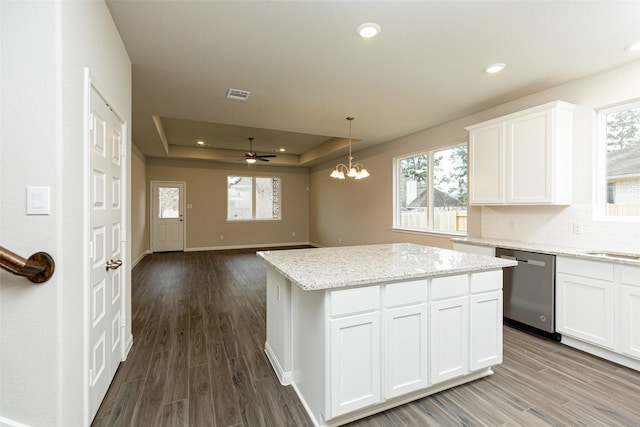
(524, 158)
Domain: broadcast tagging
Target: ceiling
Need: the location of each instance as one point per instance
(307, 69)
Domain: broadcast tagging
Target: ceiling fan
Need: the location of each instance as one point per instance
(251, 156)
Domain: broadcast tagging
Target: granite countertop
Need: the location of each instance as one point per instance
(583, 253)
(334, 267)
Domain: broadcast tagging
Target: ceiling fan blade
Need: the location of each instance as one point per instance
(263, 156)
(261, 159)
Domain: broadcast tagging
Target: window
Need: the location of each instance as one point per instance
(253, 198)
(168, 202)
(618, 177)
(431, 190)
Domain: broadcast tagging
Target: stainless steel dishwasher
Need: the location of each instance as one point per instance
(529, 291)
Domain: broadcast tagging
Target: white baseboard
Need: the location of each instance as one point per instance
(284, 377)
(128, 346)
(254, 246)
(134, 263)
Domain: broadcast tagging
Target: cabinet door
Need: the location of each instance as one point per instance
(529, 167)
(485, 344)
(630, 320)
(405, 349)
(355, 362)
(449, 331)
(585, 309)
(486, 165)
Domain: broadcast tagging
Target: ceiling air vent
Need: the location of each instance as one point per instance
(240, 95)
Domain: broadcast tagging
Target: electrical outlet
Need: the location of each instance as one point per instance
(222, 237)
(340, 240)
(513, 225)
(293, 234)
(578, 228)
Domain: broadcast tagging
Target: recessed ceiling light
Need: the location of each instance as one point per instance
(494, 68)
(368, 30)
(633, 47)
(200, 142)
(282, 149)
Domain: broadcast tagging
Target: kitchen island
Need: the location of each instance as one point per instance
(357, 330)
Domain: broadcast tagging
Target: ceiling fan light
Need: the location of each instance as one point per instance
(250, 160)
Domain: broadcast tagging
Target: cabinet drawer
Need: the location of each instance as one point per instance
(584, 268)
(486, 281)
(449, 287)
(630, 275)
(405, 293)
(355, 300)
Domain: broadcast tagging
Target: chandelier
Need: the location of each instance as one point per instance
(353, 170)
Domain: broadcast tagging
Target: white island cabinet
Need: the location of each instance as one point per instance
(357, 330)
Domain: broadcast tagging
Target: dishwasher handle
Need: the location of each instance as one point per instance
(525, 261)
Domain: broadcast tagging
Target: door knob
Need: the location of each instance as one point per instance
(113, 265)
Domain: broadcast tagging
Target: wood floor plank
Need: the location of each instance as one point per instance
(248, 401)
(201, 410)
(224, 399)
(175, 414)
(228, 381)
(151, 401)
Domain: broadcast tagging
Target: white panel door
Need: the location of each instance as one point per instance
(486, 165)
(485, 344)
(167, 223)
(529, 158)
(630, 320)
(449, 346)
(355, 362)
(106, 278)
(585, 309)
(405, 349)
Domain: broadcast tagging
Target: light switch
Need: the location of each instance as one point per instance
(38, 200)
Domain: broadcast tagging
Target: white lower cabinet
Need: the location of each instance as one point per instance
(598, 308)
(449, 338)
(586, 309)
(630, 312)
(355, 362)
(485, 345)
(405, 334)
(585, 300)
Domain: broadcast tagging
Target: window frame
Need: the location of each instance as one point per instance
(600, 182)
(253, 218)
(430, 190)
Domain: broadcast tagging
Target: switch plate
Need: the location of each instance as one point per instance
(38, 200)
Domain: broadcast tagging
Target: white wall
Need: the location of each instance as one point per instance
(45, 48)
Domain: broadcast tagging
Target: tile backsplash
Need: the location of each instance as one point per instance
(571, 226)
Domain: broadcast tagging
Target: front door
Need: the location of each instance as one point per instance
(106, 196)
(167, 223)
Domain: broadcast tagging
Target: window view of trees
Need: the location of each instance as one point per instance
(622, 135)
(432, 190)
(168, 202)
(251, 198)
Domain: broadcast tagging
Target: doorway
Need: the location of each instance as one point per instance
(167, 216)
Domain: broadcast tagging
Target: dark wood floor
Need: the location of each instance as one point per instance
(198, 359)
